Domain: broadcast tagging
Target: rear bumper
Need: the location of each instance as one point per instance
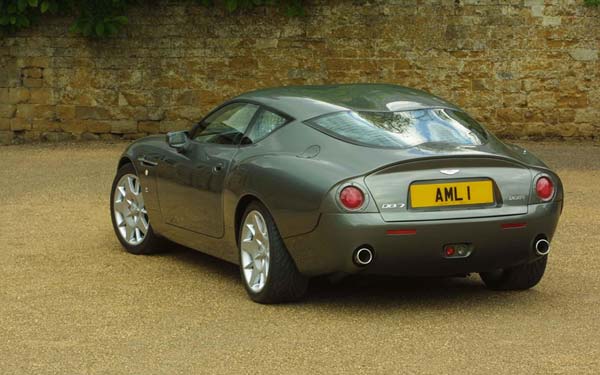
(329, 248)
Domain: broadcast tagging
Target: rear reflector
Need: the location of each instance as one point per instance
(401, 232)
(459, 250)
(514, 225)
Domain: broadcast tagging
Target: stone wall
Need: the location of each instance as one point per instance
(522, 67)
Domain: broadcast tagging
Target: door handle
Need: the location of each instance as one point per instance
(147, 162)
(218, 168)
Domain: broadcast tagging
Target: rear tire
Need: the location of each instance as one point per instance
(130, 220)
(521, 277)
(268, 271)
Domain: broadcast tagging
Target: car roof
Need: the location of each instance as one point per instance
(305, 102)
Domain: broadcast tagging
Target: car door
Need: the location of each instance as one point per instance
(190, 181)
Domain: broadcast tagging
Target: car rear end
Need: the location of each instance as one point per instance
(442, 214)
(401, 229)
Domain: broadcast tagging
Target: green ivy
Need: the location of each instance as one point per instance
(103, 18)
(100, 18)
(15, 15)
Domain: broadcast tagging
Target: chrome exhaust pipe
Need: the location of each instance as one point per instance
(363, 256)
(542, 247)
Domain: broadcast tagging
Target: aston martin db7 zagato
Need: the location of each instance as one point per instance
(296, 182)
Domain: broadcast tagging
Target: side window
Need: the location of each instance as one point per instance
(227, 125)
(266, 122)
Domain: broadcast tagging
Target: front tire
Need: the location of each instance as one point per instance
(520, 277)
(129, 216)
(268, 271)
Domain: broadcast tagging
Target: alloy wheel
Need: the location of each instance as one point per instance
(130, 213)
(254, 247)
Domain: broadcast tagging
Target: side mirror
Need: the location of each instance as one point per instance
(178, 140)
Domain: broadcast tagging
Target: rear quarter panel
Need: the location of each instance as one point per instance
(290, 181)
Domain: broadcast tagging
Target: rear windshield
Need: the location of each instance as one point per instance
(403, 129)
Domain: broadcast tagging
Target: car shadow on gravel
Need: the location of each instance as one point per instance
(202, 261)
(368, 290)
(357, 288)
(374, 293)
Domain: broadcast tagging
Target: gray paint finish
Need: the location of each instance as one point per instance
(297, 170)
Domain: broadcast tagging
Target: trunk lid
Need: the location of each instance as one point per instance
(451, 188)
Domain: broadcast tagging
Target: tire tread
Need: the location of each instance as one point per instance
(520, 277)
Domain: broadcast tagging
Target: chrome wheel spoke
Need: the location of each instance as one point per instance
(260, 228)
(142, 227)
(122, 207)
(249, 266)
(254, 278)
(250, 247)
(128, 232)
(259, 237)
(130, 184)
(251, 231)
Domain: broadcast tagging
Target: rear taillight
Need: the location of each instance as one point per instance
(544, 188)
(352, 197)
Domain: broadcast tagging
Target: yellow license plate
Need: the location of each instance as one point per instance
(451, 194)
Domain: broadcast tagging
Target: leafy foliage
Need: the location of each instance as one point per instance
(14, 14)
(102, 18)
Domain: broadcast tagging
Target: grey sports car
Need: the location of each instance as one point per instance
(296, 182)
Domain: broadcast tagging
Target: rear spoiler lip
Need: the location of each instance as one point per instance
(459, 156)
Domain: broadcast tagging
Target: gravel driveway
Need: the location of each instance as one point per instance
(72, 301)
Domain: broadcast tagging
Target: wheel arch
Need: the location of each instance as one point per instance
(124, 160)
(293, 189)
(243, 203)
(239, 212)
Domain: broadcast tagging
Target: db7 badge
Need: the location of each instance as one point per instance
(392, 205)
